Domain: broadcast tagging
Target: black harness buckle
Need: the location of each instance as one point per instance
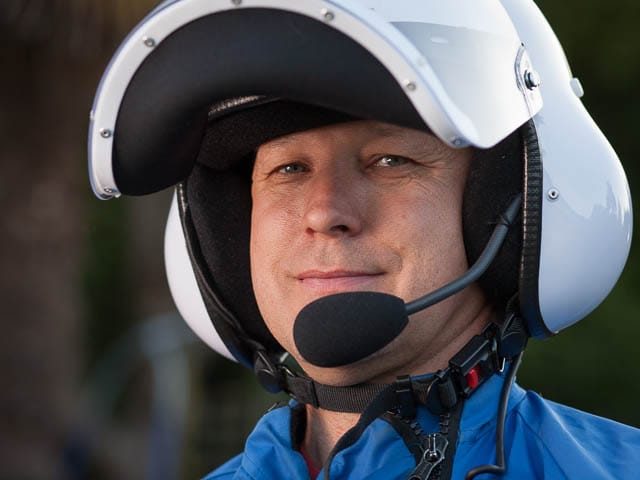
(476, 362)
(404, 395)
(269, 375)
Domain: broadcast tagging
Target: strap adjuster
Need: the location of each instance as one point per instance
(404, 395)
(269, 375)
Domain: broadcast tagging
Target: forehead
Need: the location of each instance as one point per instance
(356, 133)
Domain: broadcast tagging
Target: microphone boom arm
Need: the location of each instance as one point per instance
(478, 268)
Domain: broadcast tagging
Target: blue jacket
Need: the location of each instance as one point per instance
(542, 440)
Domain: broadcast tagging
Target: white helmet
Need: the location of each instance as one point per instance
(199, 84)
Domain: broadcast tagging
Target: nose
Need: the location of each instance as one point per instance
(334, 205)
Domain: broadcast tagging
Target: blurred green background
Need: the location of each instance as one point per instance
(99, 377)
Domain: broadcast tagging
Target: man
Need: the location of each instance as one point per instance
(351, 207)
(346, 197)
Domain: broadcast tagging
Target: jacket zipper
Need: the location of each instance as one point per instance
(434, 454)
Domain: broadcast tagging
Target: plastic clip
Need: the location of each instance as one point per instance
(269, 376)
(404, 395)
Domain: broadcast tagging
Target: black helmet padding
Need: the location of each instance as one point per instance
(215, 214)
(497, 175)
(494, 180)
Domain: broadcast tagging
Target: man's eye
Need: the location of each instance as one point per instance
(291, 168)
(391, 161)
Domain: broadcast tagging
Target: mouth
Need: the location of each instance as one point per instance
(335, 281)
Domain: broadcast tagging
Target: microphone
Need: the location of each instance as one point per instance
(343, 328)
(340, 329)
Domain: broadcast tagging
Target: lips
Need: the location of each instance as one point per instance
(338, 280)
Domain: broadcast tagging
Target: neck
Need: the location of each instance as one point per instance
(324, 429)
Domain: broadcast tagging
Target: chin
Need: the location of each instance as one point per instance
(381, 367)
(338, 376)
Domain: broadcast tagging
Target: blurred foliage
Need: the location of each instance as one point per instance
(108, 291)
(228, 405)
(72, 27)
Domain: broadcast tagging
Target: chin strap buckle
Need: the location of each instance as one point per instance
(476, 362)
(404, 396)
(472, 366)
(270, 375)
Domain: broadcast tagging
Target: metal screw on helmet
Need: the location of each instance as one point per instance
(531, 79)
(105, 133)
(411, 86)
(109, 191)
(328, 15)
(553, 194)
(576, 86)
(236, 2)
(148, 41)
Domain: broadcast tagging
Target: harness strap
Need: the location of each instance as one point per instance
(451, 429)
(376, 407)
(380, 407)
(410, 431)
(353, 399)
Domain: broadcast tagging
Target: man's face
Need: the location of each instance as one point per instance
(362, 206)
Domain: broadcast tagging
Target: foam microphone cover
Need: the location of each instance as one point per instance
(341, 329)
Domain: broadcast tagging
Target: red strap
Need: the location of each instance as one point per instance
(314, 470)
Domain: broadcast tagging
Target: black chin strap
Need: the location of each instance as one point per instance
(476, 362)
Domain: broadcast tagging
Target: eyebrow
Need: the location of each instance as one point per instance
(385, 130)
(280, 141)
(382, 130)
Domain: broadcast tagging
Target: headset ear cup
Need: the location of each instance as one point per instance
(183, 282)
(495, 178)
(217, 199)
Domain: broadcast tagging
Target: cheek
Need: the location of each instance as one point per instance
(264, 239)
(262, 278)
(271, 230)
(429, 236)
(271, 237)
